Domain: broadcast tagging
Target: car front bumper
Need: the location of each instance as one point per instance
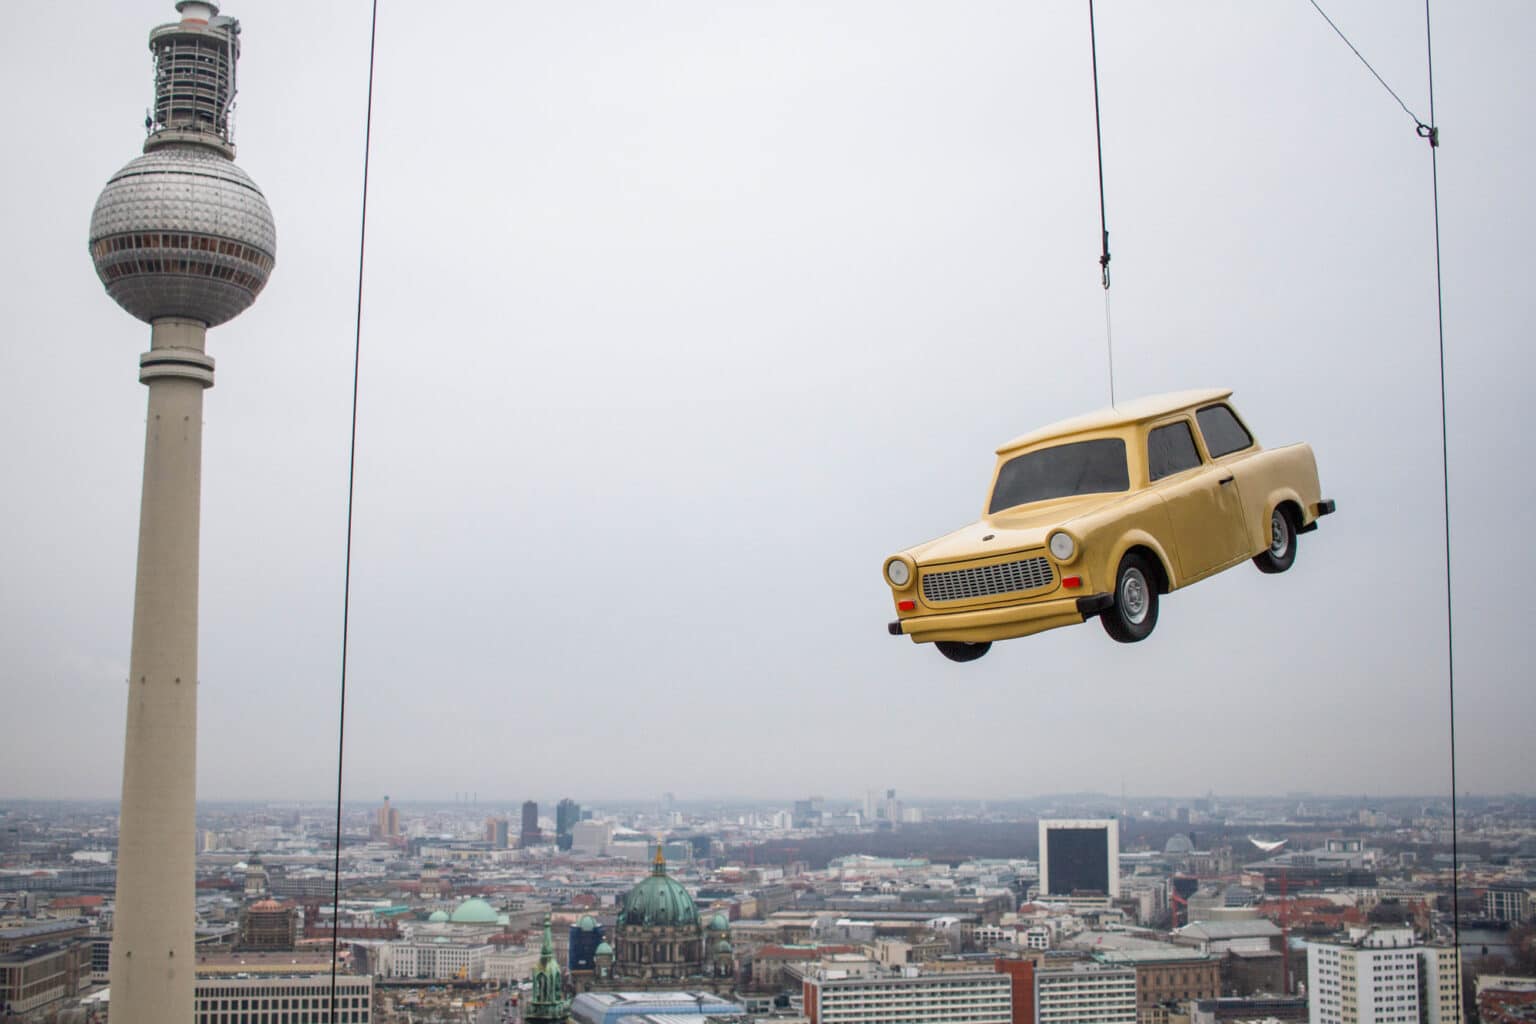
(1001, 623)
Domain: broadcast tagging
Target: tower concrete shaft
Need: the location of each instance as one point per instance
(153, 937)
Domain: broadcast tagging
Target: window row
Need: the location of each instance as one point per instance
(199, 268)
(199, 243)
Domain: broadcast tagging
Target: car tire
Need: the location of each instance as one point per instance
(1281, 553)
(960, 650)
(1133, 615)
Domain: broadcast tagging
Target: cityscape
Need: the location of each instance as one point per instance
(664, 304)
(821, 909)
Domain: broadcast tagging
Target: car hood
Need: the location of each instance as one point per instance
(1011, 530)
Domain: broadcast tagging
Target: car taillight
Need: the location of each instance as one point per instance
(906, 606)
(1072, 582)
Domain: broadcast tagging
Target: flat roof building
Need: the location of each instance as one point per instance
(283, 999)
(1079, 855)
(978, 997)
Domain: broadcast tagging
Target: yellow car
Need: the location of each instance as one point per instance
(1101, 514)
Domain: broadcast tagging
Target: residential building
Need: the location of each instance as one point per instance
(1382, 975)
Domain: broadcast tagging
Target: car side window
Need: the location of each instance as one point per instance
(1223, 433)
(1171, 449)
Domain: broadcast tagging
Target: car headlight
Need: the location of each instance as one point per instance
(898, 572)
(1062, 546)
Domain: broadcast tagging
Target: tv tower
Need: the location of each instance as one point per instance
(182, 239)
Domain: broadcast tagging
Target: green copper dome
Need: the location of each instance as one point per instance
(587, 923)
(719, 923)
(603, 949)
(474, 911)
(438, 916)
(658, 901)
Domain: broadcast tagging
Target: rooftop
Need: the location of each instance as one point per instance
(1124, 413)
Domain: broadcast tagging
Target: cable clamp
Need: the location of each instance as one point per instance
(1430, 132)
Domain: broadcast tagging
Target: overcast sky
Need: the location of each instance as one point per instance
(680, 316)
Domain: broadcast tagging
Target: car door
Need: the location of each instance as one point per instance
(1204, 506)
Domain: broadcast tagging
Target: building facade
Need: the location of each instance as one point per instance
(1080, 855)
(1382, 976)
(974, 997)
(1084, 993)
(297, 999)
(31, 977)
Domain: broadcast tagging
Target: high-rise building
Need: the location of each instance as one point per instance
(567, 814)
(498, 832)
(530, 832)
(386, 821)
(183, 240)
(1382, 974)
(1080, 857)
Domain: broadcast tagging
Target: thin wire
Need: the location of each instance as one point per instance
(1383, 81)
(1445, 476)
(1098, 137)
(1109, 343)
(346, 587)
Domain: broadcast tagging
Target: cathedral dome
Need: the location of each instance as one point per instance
(587, 923)
(659, 901)
(719, 923)
(438, 917)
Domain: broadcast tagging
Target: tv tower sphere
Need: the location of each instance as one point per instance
(183, 239)
(181, 231)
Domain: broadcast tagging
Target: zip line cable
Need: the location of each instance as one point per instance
(1431, 133)
(346, 586)
(1098, 137)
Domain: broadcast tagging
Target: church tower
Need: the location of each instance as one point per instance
(548, 1004)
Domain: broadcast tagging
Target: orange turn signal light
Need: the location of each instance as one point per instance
(1072, 582)
(906, 606)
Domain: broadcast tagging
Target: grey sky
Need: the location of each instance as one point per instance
(681, 316)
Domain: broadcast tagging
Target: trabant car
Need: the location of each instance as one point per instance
(1102, 514)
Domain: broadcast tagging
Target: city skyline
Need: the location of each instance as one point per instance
(713, 308)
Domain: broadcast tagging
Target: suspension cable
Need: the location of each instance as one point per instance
(1425, 130)
(1098, 136)
(1433, 135)
(346, 587)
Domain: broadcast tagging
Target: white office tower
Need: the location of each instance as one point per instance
(1382, 975)
(183, 240)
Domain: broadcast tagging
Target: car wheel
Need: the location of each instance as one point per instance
(960, 650)
(1134, 612)
(1281, 552)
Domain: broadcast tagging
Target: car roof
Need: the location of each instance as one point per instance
(1119, 415)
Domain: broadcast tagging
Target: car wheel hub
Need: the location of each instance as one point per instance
(1133, 596)
(1279, 538)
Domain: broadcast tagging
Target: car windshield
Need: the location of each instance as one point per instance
(1083, 467)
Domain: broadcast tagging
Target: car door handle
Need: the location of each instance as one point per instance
(1224, 481)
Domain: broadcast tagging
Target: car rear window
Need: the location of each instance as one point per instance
(1222, 432)
(1083, 467)
(1171, 449)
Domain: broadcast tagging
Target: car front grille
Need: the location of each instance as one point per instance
(988, 580)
